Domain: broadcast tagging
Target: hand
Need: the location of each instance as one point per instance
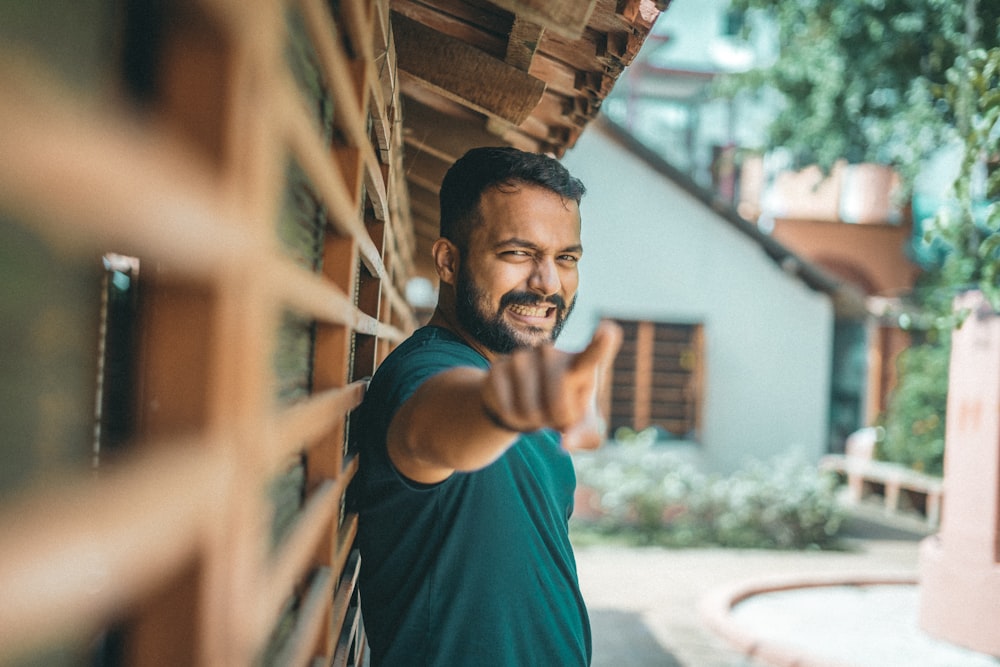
(543, 387)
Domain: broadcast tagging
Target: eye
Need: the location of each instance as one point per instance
(568, 259)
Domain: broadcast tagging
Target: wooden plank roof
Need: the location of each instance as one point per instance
(525, 73)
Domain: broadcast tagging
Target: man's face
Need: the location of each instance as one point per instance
(517, 281)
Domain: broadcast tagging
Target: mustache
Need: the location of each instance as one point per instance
(529, 299)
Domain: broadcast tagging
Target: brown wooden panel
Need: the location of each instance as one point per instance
(348, 648)
(464, 73)
(245, 345)
(447, 137)
(479, 24)
(523, 43)
(320, 512)
(345, 593)
(312, 420)
(305, 636)
(565, 17)
(121, 526)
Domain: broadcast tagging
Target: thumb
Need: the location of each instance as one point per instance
(602, 347)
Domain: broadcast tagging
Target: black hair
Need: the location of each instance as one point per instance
(496, 167)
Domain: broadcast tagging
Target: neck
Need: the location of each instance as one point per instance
(446, 319)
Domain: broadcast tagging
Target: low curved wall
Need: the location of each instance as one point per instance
(716, 611)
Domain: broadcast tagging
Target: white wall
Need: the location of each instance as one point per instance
(651, 251)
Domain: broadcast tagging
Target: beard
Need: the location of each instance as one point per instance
(490, 329)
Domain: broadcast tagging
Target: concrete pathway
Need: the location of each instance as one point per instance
(646, 603)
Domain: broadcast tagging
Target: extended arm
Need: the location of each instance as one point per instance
(444, 426)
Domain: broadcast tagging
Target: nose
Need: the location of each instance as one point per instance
(544, 277)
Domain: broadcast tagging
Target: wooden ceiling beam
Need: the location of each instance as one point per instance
(412, 89)
(429, 166)
(424, 181)
(557, 76)
(428, 130)
(640, 14)
(479, 24)
(426, 227)
(524, 73)
(518, 138)
(568, 18)
(523, 42)
(463, 73)
(425, 203)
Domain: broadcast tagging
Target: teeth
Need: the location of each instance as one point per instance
(530, 311)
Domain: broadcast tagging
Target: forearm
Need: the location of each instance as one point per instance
(455, 420)
(444, 428)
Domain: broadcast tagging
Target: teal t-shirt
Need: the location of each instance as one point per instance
(476, 570)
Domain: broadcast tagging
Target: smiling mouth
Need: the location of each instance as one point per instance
(531, 311)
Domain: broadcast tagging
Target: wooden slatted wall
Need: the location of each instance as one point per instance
(255, 182)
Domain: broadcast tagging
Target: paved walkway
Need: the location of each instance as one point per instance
(646, 604)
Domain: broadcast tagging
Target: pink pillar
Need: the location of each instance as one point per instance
(960, 566)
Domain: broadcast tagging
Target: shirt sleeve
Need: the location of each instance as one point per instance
(408, 371)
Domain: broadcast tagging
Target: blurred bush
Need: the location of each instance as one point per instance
(914, 420)
(635, 490)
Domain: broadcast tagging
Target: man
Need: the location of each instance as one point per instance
(465, 485)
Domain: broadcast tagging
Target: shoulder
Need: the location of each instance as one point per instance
(429, 351)
(432, 346)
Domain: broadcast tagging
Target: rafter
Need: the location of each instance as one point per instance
(525, 37)
(463, 73)
(444, 136)
(564, 17)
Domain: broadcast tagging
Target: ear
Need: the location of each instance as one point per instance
(446, 260)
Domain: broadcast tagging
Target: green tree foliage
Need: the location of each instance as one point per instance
(968, 229)
(913, 422)
(913, 433)
(857, 77)
(890, 81)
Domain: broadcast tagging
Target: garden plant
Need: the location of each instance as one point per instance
(641, 493)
